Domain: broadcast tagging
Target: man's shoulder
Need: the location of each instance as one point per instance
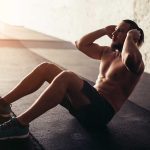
(107, 50)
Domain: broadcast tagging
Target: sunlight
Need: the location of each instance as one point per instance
(11, 11)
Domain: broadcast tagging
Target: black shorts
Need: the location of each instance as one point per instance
(94, 115)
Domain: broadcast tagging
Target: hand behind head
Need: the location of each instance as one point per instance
(110, 29)
(135, 34)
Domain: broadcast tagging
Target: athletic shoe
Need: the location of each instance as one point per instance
(12, 129)
(5, 111)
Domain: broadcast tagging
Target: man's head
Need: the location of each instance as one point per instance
(120, 33)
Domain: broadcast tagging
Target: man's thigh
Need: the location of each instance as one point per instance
(75, 94)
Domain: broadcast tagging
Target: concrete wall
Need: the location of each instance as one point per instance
(142, 15)
(66, 19)
(70, 19)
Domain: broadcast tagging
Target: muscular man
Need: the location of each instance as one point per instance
(121, 66)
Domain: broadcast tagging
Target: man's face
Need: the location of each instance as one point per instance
(119, 36)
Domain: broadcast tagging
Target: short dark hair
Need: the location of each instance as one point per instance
(133, 25)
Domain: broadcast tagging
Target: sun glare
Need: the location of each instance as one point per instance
(10, 11)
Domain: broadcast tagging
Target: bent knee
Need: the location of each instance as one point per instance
(67, 75)
(46, 67)
(71, 79)
(48, 70)
(42, 66)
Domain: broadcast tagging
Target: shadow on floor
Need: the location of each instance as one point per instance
(128, 130)
(141, 94)
(24, 144)
(21, 144)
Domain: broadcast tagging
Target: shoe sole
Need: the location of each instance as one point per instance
(4, 119)
(5, 115)
(15, 137)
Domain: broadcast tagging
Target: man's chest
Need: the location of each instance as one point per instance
(112, 68)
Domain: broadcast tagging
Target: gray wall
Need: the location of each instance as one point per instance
(70, 19)
(142, 16)
(66, 19)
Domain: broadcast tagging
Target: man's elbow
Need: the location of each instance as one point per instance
(132, 63)
(79, 44)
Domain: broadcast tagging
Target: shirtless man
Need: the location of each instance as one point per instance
(121, 66)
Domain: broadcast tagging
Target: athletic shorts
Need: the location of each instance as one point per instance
(94, 115)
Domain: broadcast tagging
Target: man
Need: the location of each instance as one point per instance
(121, 66)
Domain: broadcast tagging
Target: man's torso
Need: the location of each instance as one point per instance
(115, 82)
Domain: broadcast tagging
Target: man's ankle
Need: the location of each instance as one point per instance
(3, 102)
(22, 124)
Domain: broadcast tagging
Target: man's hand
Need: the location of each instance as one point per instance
(109, 30)
(134, 34)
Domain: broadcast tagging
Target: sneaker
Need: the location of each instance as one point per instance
(5, 111)
(12, 129)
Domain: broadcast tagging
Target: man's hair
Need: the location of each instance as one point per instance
(133, 25)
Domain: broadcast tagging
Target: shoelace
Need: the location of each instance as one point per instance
(7, 124)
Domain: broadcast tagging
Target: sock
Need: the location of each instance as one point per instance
(21, 124)
(3, 102)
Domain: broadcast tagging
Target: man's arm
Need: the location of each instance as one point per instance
(131, 55)
(86, 43)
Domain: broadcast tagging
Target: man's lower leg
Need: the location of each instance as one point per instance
(32, 82)
(50, 98)
(44, 72)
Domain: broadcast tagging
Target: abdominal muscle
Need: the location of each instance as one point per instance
(111, 92)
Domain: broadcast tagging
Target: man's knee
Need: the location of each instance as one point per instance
(67, 75)
(48, 70)
(72, 80)
(44, 66)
